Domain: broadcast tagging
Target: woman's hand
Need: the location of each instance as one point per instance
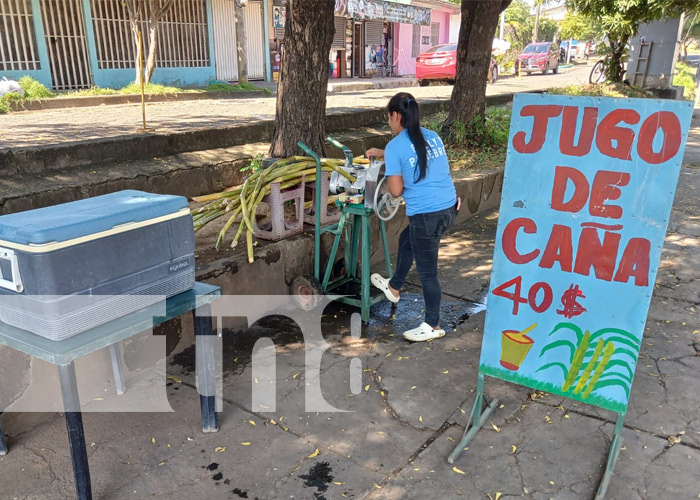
(374, 152)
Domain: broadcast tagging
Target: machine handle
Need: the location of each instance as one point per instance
(346, 150)
(15, 284)
(317, 215)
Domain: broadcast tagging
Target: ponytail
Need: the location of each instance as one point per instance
(405, 104)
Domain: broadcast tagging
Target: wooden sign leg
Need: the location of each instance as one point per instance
(612, 456)
(478, 417)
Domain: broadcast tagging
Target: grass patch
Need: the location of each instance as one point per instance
(480, 151)
(602, 90)
(33, 89)
(131, 89)
(685, 77)
(241, 87)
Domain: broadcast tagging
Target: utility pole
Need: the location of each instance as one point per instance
(537, 21)
(501, 32)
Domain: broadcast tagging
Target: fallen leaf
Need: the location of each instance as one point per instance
(413, 387)
(446, 372)
(337, 483)
(256, 380)
(367, 387)
(174, 379)
(251, 422)
(314, 454)
(552, 483)
(495, 427)
(498, 495)
(190, 439)
(295, 376)
(458, 471)
(420, 419)
(377, 486)
(221, 449)
(153, 440)
(515, 448)
(247, 443)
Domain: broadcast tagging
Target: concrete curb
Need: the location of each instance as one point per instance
(139, 146)
(100, 100)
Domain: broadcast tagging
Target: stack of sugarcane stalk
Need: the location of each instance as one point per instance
(242, 201)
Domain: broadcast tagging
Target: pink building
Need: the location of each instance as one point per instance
(385, 37)
(410, 40)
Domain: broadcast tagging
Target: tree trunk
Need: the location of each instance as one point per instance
(477, 27)
(614, 69)
(303, 81)
(537, 23)
(241, 43)
(152, 48)
(134, 11)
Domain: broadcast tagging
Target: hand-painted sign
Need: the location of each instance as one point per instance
(587, 194)
(382, 10)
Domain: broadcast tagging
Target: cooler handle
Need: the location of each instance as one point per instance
(15, 284)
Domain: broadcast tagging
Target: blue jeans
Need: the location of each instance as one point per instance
(420, 241)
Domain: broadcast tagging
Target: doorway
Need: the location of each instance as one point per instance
(358, 50)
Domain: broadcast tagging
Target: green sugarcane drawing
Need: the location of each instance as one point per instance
(596, 358)
(609, 350)
(589, 367)
(577, 362)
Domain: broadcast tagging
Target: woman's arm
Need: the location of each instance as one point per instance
(374, 152)
(395, 185)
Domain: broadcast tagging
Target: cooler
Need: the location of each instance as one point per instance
(68, 268)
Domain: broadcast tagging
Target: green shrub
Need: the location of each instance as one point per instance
(685, 77)
(4, 107)
(151, 88)
(33, 89)
(241, 87)
(602, 90)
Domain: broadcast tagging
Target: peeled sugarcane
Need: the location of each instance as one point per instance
(242, 201)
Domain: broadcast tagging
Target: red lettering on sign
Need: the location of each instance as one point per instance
(671, 127)
(541, 116)
(635, 262)
(558, 249)
(591, 252)
(517, 282)
(615, 141)
(510, 234)
(568, 131)
(562, 175)
(605, 188)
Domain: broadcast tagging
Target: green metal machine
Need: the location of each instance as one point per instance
(354, 227)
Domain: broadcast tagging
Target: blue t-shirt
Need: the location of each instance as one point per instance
(436, 191)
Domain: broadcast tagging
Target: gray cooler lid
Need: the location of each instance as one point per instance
(81, 218)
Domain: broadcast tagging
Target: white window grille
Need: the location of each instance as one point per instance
(18, 49)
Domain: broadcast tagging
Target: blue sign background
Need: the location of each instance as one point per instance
(559, 357)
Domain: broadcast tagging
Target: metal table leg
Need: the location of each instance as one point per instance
(117, 368)
(3, 443)
(205, 359)
(76, 434)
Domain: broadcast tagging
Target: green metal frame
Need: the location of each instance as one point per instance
(354, 226)
(482, 410)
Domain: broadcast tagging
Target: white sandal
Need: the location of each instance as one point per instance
(423, 332)
(383, 284)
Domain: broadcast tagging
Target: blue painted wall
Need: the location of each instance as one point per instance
(117, 78)
(43, 75)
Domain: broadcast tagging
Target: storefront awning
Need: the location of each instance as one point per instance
(383, 11)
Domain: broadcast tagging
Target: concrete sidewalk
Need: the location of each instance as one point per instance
(393, 441)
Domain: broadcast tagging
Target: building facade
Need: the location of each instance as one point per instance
(77, 44)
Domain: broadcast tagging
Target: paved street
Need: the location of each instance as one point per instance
(34, 128)
(393, 442)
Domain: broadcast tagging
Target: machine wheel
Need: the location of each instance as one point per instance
(306, 292)
(385, 205)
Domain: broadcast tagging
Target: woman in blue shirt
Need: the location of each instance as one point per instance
(417, 168)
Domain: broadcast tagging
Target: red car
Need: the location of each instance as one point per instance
(439, 63)
(541, 56)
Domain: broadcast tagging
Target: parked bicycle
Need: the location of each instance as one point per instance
(598, 72)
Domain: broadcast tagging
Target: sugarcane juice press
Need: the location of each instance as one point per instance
(368, 195)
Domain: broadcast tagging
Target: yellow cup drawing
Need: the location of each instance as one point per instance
(514, 347)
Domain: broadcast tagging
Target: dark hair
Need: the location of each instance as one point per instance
(405, 104)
